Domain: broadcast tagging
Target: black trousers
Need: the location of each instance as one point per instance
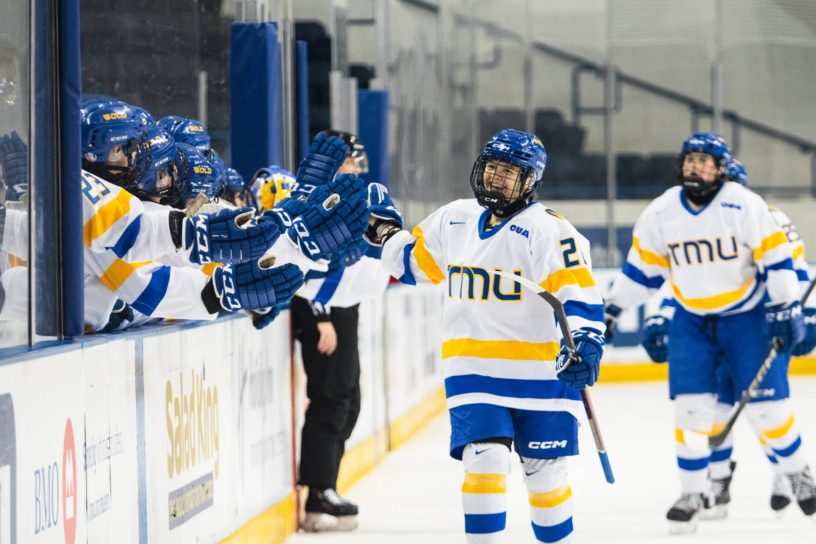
(333, 388)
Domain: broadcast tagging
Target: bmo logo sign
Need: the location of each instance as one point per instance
(55, 494)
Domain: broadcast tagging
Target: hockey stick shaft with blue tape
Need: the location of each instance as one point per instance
(561, 316)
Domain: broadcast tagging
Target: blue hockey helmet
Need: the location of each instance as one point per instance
(235, 189)
(696, 189)
(160, 180)
(196, 175)
(186, 131)
(736, 172)
(106, 124)
(144, 115)
(507, 171)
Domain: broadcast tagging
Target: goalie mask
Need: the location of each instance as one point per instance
(698, 189)
(507, 172)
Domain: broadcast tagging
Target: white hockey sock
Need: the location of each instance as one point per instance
(550, 499)
(694, 416)
(776, 427)
(484, 497)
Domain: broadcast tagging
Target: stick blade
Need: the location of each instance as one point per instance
(607, 466)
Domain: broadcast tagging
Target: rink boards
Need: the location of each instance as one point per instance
(187, 432)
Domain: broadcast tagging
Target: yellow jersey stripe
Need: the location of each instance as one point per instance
(106, 216)
(485, 483)
(774, 240)
(425, 260)
(778, 432)
(551, 499)
(650, 257)
(568, 276)
(717, 301)
(514, 350)
(799, 251)
(118, 273)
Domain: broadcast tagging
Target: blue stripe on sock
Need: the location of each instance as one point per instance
(553, 533)
(692, 464)
(485, 523)
(721, 455)
(790, 450)
(772, 459)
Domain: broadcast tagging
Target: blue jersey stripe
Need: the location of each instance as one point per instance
(479, 524)
(721, 455)
(407, 276)
(153, 294)
(790, 450)
(692, 464)
(802, 275)
(329, 286)
(591, 312)
(553, 533)
(636, 275)
(506, 387)
(785, 264)
(128, 238)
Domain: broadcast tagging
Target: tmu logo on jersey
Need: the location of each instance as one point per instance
(702, 251)
(477, 283)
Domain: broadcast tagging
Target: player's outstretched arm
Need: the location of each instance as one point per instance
(252, 285)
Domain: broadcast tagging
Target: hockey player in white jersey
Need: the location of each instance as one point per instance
(788, 444)
(731, 272)
(500, 344)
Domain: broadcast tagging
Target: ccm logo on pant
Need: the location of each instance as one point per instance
(549, 444)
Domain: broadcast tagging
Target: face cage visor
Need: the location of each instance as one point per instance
(500, 186)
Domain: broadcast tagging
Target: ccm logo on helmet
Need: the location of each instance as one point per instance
(548, 444)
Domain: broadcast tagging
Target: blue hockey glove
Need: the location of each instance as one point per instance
(318, 167)
(352, 253)
(384, 214)
(611, 315)
(228, 236)
(121, 317)
(349, 187)
(254, 285)
(809, 342)
(263, 317)
(785, 322)
(14, 160)
(656, 338)
(582, 370)
(328, 225)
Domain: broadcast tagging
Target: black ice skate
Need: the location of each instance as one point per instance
(804, 490)
(326, 510)
(781, 494)
(684, 514)
(721, 492)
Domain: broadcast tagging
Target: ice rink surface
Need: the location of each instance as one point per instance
(413, 496)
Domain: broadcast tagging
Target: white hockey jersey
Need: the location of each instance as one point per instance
(719, 260)
(347, 285)
(499, 341)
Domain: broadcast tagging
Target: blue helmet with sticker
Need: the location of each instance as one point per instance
(196, 175)
(736, 172)
(143, 115)
(698, 190)
(507, 171)
(160, 180)
(187, 131)
(112, 126)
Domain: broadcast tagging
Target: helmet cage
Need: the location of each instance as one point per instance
(491, 189)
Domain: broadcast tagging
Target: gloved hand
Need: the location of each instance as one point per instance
(253, 285)
(583, 369)
(263, 317)
(121, 317)
(14, 160)
(349, 186)
(318, 167)
(656, 338)
(786, 323)
(352, 253)
(809, 342)
(611, 315)
(328, 224)
(383, 213)
(228, 236)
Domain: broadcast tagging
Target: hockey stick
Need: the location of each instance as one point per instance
(561, 316)
(715, 441)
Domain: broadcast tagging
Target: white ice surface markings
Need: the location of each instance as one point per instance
(413, 497)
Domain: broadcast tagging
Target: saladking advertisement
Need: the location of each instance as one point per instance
(261, 380)
(42, 492)
(110, 446)
(189, 433)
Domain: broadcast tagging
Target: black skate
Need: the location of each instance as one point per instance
(804, 490)
(721, 491)
(326, 510)
(781, 494)
(683, 515)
